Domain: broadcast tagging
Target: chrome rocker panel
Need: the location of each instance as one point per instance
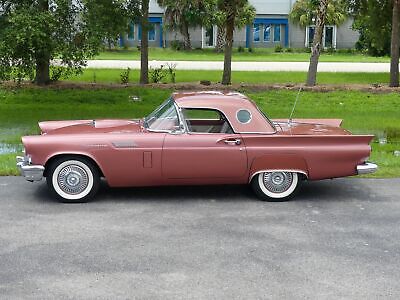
(30, 172)
(366, 168)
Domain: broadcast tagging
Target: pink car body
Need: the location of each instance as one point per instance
(241, 143)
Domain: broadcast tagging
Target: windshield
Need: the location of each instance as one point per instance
(164, 118)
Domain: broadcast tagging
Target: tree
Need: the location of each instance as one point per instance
(144, 47)
(394, 53)
(305, 12)
(372, 18)
(180, 15)
(34, 32)
(237, 13)
(109, 18)
(317, 42)
(244, 17)
(378, 24)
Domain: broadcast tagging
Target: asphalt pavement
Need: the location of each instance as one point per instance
(246, 66)
(339, 239)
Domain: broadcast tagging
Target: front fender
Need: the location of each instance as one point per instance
(88, 155)
(278, 162)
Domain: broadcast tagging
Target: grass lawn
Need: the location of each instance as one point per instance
(259, 54)
(113, 76)
(20, 110)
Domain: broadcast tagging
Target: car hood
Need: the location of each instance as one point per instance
(90, 126)
(310, 127)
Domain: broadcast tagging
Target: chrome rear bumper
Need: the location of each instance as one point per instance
(30, 172)
(366, 168)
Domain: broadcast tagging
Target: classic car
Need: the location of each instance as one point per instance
(193, 138)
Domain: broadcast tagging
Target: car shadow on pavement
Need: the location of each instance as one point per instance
(220, 193)
(326, 190)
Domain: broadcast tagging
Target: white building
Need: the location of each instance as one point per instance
(271, 27)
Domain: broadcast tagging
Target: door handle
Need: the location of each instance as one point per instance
(233, 142)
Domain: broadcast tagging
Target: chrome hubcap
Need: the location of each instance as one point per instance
(278, 182)
(72, 179)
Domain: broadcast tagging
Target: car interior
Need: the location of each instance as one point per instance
(206, 121)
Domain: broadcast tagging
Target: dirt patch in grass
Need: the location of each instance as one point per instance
(371, 88)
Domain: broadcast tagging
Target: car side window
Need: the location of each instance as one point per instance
(206, 121)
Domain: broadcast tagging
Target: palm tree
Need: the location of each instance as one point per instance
(304, 13)
(237, 13)
(180, 15)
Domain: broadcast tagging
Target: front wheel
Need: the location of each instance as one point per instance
(276, 186)
(73, 179)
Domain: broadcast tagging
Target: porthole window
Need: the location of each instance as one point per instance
(243, 116)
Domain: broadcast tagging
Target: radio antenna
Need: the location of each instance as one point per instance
(294, 106)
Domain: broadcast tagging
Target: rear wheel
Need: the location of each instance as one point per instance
(276, 186)
(73, 179)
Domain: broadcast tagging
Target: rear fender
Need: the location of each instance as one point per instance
(278, 162)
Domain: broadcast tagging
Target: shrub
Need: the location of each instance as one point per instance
(240, 49)
(56, 72)
(176, 45)
(251, 50)
(278, 48)
(124, 76)
(172, 71)
(157, 74)
(289, 50)
(330, 50)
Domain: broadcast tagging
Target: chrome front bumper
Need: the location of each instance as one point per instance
(366, 168)
(29, 171)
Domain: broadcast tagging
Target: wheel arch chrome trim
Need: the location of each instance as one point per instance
(277, 170)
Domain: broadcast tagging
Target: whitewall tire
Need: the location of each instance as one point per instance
(276, 186)
(73, 179)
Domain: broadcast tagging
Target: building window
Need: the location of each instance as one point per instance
(267, 33)
(277, 33)
(256, 32)
(311, 32)
(328, 36)
(131, 31)
(152, 32)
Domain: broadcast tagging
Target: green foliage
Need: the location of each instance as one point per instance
(32, 33)
(330, 50)
(182, 14)
(178, 12)
(373, 19)
(304, 12)
(278, 49)
(56, 73)
(172, 72)
(176, 45)
(241, 10)
(124, 76)
(240, 49)
(107, 19)
(25, 36)
(157, 74)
